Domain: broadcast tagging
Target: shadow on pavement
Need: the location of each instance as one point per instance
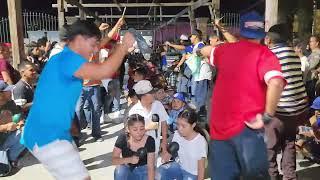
(309, 173)
(104, 161)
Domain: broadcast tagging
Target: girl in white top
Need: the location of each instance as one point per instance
(192, 153)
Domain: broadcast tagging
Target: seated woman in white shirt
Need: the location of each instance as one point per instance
(190, 163)
(132, 163)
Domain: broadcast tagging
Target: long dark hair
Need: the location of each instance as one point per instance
(192, 117)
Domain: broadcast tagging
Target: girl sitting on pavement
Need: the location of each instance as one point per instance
(190, 163)
(134, 152)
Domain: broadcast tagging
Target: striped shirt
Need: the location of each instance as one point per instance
(293, 99)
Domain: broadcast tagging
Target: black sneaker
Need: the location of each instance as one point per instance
(98, 139)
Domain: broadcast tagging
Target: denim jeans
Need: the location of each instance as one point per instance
(89, 103)
(182, 84)
(173, 171)
(12, 143)
(244, 155)
(201, 93)
(114, 91)
(123, 172)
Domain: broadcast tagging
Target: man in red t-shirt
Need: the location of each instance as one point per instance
(247, 89)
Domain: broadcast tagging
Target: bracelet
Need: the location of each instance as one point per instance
(266, 118)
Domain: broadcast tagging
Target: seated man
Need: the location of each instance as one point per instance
(24, 90)
(11, 122)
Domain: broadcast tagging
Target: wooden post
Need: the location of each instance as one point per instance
(82, 14)
(216, 6)
(271, 13)
(202, 25)
(191, 17)
(61, 20)
(16, 31)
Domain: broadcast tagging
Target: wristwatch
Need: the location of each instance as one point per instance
(266, 118)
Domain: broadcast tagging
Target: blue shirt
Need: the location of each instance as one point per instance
(54, 101)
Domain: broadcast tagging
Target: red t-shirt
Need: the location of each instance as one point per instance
(243, 68)
(5, 66)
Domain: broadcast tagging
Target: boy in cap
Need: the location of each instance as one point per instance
(178, 104)
(148, 107)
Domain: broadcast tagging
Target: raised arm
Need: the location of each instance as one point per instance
(111, 33)
(98, 71)
(176, 46)
(227, 35)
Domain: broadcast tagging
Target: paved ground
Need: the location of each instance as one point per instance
(97, 158)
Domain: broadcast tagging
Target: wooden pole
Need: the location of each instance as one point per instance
(16, 31)
(271, 13)
(61, 20)
(82, 14)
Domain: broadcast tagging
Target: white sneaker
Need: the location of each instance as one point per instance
(114, 115)
(107, 119)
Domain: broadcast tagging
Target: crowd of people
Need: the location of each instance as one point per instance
(234, 101)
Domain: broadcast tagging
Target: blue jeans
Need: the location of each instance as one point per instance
(173, 171)
(244, 155)
(201, 93)
(123, 172)
(112, 98)
(12, 143)
(90, 103)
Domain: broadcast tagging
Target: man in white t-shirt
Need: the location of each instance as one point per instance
(146, 107)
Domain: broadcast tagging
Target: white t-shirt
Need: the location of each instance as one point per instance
(103, 53)
(56, 50)
(205, 70)
(157, 108)
(190, 152)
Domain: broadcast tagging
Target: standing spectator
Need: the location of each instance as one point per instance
(237, 147)
(304, 60)
(147, 107)
(130, 166)
(200, 81)
(24, 89)
(313, 65)
(214, 40)
(292, 107)
(90, 104)
(6, 70)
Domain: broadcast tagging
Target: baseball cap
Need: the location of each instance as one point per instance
(316, 104)
(252, 26)
(6, 88)
(143, 87)
(179, 96)
(184, 37)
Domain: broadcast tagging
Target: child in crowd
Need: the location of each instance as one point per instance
(192, 153)
(162, 96)
(131, 163)
(178, 104)
(132, 100)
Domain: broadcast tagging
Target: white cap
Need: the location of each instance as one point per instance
(143, 87)
(184, 37)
